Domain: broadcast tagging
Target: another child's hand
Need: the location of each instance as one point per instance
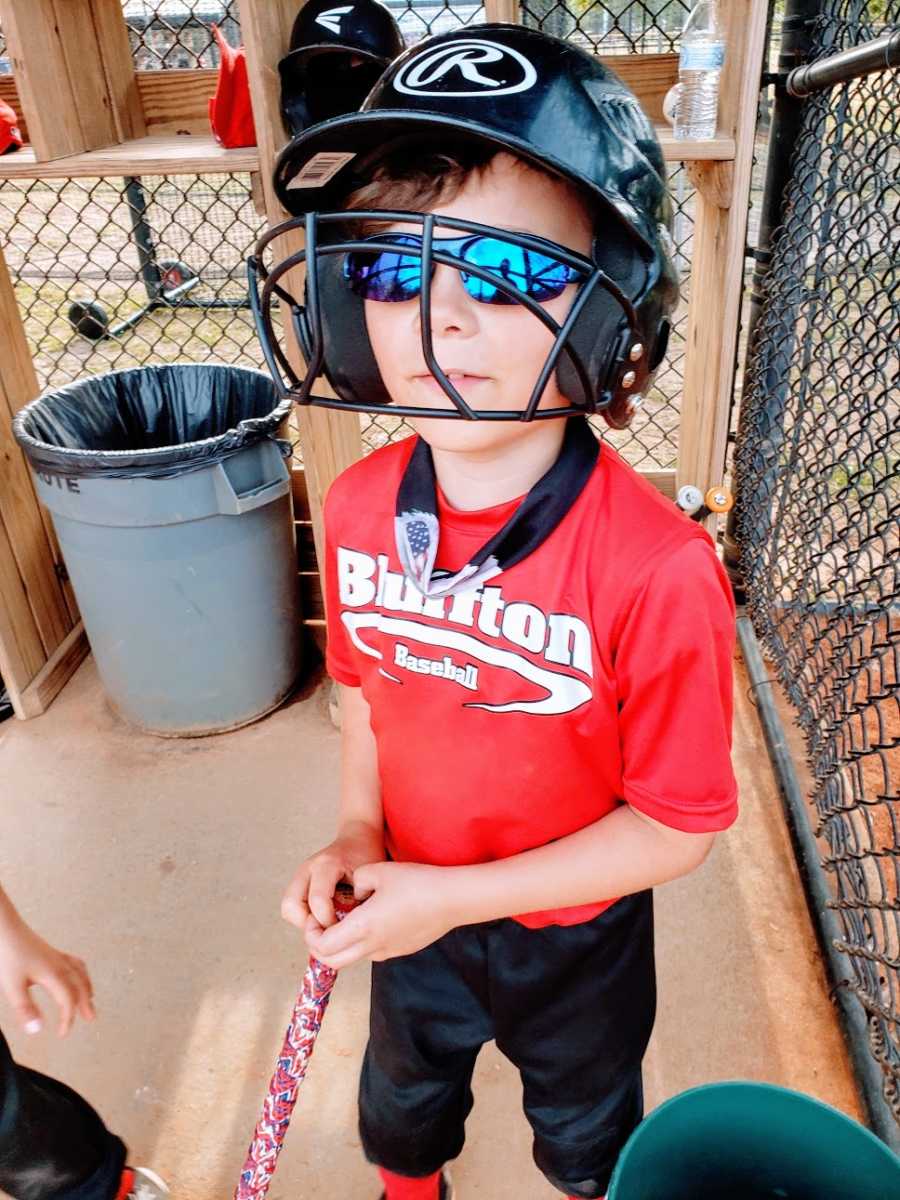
(308, 902)
(26, 961)
(407, 906)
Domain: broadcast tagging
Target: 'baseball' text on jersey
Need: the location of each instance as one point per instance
(371, 592)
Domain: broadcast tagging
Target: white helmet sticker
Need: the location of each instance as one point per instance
(320, 169)
(511, 71)
(331, 18)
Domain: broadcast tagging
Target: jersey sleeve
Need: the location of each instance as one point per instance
(673, 671)
(339, 653)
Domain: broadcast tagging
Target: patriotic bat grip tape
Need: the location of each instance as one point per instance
(290, 1069)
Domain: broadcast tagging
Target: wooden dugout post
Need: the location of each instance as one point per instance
(329, 440)
(717, 268)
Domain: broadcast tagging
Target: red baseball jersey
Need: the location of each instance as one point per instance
(595, 672)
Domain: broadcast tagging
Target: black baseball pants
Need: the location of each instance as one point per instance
(571, 1006)
(53, 1146)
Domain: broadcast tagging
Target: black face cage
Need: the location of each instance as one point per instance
(306, 319)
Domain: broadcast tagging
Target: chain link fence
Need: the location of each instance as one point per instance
(418, 20)
(819, 483)
(112, 273)
(170, 34)
(178, 33)
(613, 26)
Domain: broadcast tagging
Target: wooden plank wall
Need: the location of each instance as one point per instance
(40, 633)
(77, 79)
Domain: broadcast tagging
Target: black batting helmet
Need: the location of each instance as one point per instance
(550, 104)
(337, 52)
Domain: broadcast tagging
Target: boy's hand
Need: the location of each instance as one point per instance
(26, 961)
(408, 906)
(308, 902)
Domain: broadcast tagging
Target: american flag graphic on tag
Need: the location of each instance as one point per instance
(417, 536)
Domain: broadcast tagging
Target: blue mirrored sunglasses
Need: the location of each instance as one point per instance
(392, 276)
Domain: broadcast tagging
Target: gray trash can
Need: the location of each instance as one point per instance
(171, 500)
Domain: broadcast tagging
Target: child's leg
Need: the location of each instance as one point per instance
(577, 1028)
(428, 1021)
(52, 1143)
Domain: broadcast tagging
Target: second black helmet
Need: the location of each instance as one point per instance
(337, 53)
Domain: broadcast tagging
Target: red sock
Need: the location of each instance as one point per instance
(126, 1185)
(402, 1187)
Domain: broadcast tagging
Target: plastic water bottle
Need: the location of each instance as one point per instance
(699, 69)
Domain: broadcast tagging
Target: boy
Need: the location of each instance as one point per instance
(53, 1146)
(533, 646)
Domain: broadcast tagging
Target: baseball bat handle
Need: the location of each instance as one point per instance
(290, 1069)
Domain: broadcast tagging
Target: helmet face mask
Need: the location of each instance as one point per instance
(330, 323)
(604, 351)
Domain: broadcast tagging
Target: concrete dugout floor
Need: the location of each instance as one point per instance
(162, 864)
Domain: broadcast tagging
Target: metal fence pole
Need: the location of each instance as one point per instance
(849, 64)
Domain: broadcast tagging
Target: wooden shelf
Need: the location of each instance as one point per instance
(718, 149)
(190, 154)
(194, 154)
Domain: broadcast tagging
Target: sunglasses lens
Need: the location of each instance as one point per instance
(392, 276)
(530, 272)
(386, 275)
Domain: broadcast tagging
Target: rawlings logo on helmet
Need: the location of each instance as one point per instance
(509, 71)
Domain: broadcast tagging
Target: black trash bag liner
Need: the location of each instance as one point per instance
(149, 422)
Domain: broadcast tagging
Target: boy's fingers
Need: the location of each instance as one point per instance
(312, 928)
(355, 953)
(294, 911)
(84, 990)
(339, 936)
(322, 908)
(65, 999)
(321, 894)
(344, 957)
(294, 908)
(80, 967)
(364, 880)
(26, 1010)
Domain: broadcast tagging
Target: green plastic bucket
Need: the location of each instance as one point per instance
(753, 1141)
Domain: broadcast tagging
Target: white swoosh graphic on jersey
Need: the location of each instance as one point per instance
(565, 693)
